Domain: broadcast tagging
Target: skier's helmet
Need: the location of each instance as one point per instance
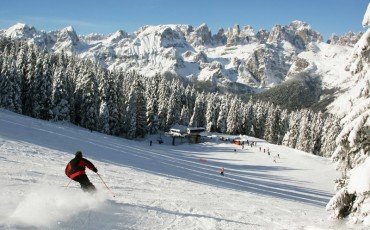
(78, 154)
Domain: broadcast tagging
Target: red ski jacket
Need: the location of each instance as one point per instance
(77, 167)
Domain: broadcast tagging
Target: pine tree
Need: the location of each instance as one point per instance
(136, 111)
(248, 119)
(272, 127)
(212, 111)
(29, 77)
(233, 118)
(284, 126)
(164, 94)
(36, 90)
(109, 119)
(151, 93)
(46, 87)
(198, 118)
(9, 87)
(174, 105)
(184, 117)
(60, 96)
(291, 136)
(21, 65)
(260, 119)
(304, 138)
(316, 134)
(222, 117)
(330, 130)
(122, 97)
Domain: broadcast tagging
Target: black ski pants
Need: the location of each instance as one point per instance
(85, 183)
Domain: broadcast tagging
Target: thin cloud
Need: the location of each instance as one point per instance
(73, 22)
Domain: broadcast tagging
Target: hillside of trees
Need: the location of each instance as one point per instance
(58, 87)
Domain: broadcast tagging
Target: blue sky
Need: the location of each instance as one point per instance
(88, 16)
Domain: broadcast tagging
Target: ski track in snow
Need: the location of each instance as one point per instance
(158, 187)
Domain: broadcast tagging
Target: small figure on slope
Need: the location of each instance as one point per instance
(222, 170)
(75, 170)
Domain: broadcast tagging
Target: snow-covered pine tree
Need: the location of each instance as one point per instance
(103, 111)
(21, 65)
(112, 102)
(164, 94)
(104, 118)
(353, 151)
(174, 104)
(46, 87)
(248, 118)
(316, 134)
(60, 96)
(260, 109)
(233, 119)
(212, 111)
(185, 116)
(222, 116)
(304, 141)
(272, 128)
(72, 71)
(108, 113)
(330, 130)
(291, 136)
(198, 119)
(151, 94)
(90, 103)
(10, 86)
(35, 87)
(27, 94)
(136, 111)
(121, 101)
(284, 126)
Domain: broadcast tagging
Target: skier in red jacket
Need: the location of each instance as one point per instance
(75, 170)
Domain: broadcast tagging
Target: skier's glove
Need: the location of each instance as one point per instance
(95, 170)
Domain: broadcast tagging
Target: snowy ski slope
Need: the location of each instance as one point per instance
(156, 187)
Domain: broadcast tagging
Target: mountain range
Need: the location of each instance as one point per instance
(253, 61)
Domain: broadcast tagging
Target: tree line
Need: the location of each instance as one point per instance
(55, 86)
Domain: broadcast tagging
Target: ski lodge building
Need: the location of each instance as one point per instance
(184, 133)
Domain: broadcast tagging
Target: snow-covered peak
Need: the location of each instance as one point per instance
(348, 39)
(117, 36)
(298, 33)
(68, 29)
(93, 37)
(299, 25)
(21, 30)
(366, 20)
(18, 26)
(201, 36)
(68, 34)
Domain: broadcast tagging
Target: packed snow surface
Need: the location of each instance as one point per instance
(159, 186)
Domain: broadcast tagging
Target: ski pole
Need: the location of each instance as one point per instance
(68, 183)
(106, 185)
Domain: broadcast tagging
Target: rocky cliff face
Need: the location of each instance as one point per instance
(239, 54)
(348, 39)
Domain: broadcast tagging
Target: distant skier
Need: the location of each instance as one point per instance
(75, 170)
(150, 143)
(222, 170)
